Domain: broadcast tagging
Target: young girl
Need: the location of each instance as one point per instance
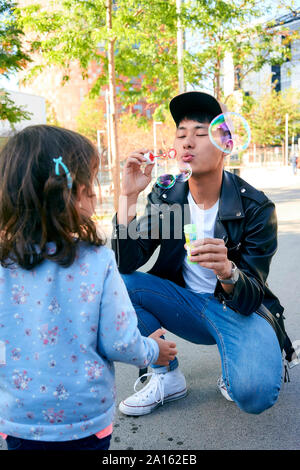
(65, 315)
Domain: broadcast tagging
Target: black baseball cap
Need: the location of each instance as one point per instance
(193, 101)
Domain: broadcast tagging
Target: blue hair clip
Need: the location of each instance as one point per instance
(58, 161)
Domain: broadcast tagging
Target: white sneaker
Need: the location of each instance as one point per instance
(160, 389)
(223, 389)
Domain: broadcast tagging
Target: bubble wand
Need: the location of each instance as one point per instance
(151, 157)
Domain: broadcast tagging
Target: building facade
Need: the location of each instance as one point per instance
(34, 104)
(282, 76)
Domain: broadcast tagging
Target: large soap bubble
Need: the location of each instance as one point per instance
(178, 173)
(229, 132)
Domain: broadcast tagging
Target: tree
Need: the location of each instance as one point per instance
(12, 59)
(134, 44)
(144, 37)
(233, 27)
(133, 58)
(266, 116)
(51, 115)
(133, 133)
(90, 118)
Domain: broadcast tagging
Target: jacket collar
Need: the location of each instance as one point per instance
(230, 205)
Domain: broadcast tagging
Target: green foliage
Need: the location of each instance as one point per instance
(12, 59)
(90, 118)
(266, 116)
(51, 115)
(9, 111)
(144, 35)
(221, 27)
(144, 42)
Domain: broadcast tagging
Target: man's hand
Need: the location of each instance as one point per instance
(167, 349)
(211, 253)
(134, 179)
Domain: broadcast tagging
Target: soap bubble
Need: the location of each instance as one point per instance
(185, 172)
(166, 181)
(180, 173)
(229, 132)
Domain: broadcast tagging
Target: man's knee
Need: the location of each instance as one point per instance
(255, 398)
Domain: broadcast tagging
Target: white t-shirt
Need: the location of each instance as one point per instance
(197, 278)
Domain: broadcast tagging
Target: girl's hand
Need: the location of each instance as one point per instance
(134, 179)
(167, 349)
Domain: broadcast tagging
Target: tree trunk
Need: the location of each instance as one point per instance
(112, 106)
(180, 49)
(218, 81)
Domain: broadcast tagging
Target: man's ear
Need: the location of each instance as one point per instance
(229, 145)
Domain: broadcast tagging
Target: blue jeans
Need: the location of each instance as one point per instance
(248, 345)
(87, 443)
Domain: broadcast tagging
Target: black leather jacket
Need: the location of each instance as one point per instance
(247, 222)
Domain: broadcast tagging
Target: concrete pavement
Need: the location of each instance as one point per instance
(204, 419)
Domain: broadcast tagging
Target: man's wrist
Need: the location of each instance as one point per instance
(227, 274)
(133, 196)
(233, 278)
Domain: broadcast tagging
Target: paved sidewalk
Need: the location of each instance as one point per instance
(271, 177)
(204, 419)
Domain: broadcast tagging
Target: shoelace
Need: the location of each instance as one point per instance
(158, 383)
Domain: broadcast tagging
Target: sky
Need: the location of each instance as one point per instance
(12, 82)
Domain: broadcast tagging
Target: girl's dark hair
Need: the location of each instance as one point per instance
(36, 205)
(198, 116)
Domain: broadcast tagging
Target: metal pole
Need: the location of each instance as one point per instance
(108, 133)
(286, 139)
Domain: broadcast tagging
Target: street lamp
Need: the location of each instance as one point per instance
(108, 127)
(286, 139)
(155, 123)
(99, 132)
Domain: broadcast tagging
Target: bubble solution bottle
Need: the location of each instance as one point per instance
(190, 232)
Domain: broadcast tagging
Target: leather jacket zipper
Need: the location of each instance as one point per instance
(261, 314)
(221, 299)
